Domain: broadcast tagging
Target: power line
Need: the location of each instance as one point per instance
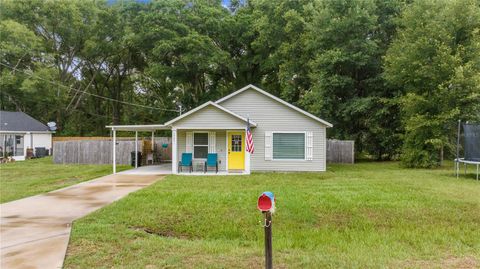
(85, 92)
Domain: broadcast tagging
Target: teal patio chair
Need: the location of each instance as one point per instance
(186, 161)
(212, 161)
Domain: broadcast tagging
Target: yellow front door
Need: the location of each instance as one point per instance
(236, 150)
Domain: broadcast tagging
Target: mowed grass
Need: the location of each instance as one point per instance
(26, 178)
(367, 215)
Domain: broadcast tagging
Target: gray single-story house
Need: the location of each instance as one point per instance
(19, 132)
(285, 137)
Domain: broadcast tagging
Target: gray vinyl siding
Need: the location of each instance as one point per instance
(219, 146)
(271, 115)
(210, 117)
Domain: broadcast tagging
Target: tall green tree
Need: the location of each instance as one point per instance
(111, 62)
(61, 28)
(187, 49)
(346, 39)
(18, 48)
(279, 47)
(435, 59)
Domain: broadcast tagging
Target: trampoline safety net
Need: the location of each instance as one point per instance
(472, 142)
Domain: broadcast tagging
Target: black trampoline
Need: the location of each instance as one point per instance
(471, 146)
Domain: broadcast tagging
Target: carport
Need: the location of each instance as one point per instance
(133, 128)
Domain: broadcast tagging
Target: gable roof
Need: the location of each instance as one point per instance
(20, 122)
(210, 103)
(250, 86)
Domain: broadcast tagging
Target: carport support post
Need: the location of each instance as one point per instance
(268, 240)
(136, 149)
(153, 142)
(174, 151)
(114, 143)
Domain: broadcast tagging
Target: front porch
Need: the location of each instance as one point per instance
(227, 144)
(208, 132)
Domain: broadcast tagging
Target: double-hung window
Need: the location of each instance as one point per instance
(288, 146)
(200, 145)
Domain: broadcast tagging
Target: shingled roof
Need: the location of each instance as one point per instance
(20, 122)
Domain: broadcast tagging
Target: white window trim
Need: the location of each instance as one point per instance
(193, 144)
(304, 146)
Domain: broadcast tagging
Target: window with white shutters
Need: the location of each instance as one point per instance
(288, 146)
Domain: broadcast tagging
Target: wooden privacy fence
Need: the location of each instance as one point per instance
(74, 138)
(100, 151)
(340, 151)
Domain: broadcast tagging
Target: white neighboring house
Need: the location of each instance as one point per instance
(19, 132)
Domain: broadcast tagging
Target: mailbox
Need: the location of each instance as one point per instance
(266, 202)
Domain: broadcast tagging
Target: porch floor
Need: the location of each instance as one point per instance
(212, 173)
(166, 169)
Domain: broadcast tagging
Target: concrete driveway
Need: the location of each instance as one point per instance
(34, 231)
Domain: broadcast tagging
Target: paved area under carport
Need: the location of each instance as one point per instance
(34, 231)
(163, 169)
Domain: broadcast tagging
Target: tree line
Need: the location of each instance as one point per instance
(393, 75)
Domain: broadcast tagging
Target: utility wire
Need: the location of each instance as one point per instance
(85, 92)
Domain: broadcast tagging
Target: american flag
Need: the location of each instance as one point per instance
(250, 148)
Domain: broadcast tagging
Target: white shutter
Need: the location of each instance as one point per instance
(211, 142)
(268, 146)
(189, 142)
(309, 146)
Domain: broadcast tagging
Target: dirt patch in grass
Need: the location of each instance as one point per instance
(381, 219)
(338, 220)
(163, 233)
(450, 262)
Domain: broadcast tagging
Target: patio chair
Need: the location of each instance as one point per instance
(212, 161)
(186, 161)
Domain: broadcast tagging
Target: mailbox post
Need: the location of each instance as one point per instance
(266, 204)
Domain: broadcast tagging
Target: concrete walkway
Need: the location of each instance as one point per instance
(34, 231)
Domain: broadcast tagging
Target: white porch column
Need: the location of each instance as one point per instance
(114, 143)
(153, 141)
(28, 136)
(136, 149)
(174, 151)
(31, 143)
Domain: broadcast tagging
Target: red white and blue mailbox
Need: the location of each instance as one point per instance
(266, 202)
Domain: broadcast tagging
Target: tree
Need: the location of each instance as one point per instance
(62, 28)
(187, 49)
(435, 58)
(110, 62)
(347, 39)
(279, 46)
(18, 47)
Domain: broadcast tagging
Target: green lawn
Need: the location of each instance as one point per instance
(30, 177)
(368, 215)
